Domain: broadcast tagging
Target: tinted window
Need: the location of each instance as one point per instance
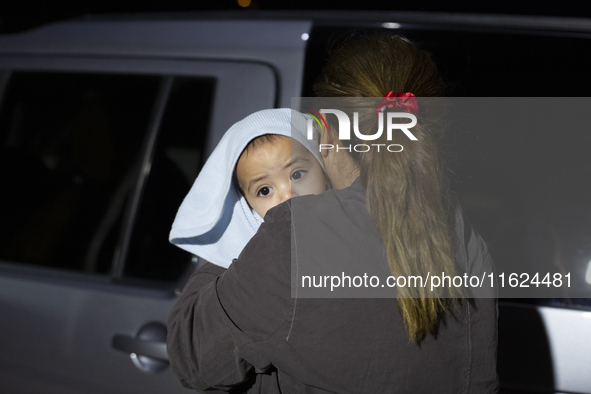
(479, 64)
(68, 147)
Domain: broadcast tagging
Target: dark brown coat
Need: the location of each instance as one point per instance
(242, 329)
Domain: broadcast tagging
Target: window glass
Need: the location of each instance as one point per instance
(480, 64)
(178, 157)
(68, 147)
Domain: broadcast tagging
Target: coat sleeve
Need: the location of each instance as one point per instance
(226, 324)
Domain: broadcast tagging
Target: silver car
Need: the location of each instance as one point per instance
(105, 123)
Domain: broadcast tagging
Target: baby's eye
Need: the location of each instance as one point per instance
(297, 175)
(264, 191)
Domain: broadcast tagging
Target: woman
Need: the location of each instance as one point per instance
(244, 329)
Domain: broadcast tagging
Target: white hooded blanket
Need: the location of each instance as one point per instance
(214, 221)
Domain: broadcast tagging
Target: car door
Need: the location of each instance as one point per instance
(96, 156)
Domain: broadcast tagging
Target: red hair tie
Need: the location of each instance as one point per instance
(406, 101)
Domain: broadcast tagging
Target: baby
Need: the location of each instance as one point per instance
(260, 162)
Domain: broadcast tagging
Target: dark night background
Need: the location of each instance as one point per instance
(21, 15)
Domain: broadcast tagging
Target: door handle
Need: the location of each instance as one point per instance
(140, 347)
(148, 349)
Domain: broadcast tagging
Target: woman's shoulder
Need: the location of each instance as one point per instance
(324, 205)
(333, 200)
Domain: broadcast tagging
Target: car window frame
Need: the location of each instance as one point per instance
(167, 70)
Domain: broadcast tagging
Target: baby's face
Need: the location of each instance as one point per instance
(273, 172)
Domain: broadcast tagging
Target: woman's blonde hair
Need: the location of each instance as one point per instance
(407, 192)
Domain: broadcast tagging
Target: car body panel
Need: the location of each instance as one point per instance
(278, 44)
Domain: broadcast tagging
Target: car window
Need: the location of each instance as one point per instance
(71, 146)
(68, 145)
(476, 63)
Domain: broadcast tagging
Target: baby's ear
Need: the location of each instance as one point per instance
(327, 139)
(325, 136)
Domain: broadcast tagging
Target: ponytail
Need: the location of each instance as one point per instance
(407, 193)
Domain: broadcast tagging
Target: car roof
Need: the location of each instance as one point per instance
(239, 35)
(187, 38)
